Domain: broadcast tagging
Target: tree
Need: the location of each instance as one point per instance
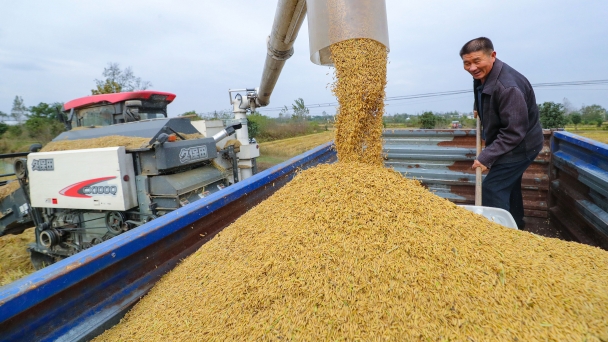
(284, 113)
(427, 120)
(3, 127)
(192, 114)
(19, 111)
(45, 110)
(300, 112)
(42, 122)
(593, 113)
(3, 116)
(552, 115)
(568, 107)
(255, 121)
(576, 119)
(117, 80)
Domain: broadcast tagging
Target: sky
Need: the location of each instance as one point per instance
(52, 51)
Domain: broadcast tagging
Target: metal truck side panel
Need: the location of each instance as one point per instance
(78, 297)
(441, 159)
(579, 188)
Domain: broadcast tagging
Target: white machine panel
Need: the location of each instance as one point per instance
(94, 179)
(249, 151)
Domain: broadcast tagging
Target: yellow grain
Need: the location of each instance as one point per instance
(14, 257)
(359, 83)
(357, 252)
(9, 188)
(129, 143)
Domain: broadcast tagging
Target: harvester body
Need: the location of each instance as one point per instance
(78, 198)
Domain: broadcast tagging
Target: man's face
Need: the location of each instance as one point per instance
(479, 64)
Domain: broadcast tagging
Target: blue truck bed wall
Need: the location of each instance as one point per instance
(579, 188)
(79, 297)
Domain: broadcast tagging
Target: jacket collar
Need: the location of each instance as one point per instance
(488, 87)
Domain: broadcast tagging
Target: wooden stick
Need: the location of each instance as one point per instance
(478, 169)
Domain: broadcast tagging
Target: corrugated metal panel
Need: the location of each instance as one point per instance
(442, 159)
(579, 188)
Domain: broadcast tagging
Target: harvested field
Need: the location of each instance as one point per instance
(14, 257)
(359, 82)
(601, 136)
(358, 252)
(278, 151)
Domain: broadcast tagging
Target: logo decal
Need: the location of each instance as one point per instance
(43, 165)
(89, 188)
(192, 153)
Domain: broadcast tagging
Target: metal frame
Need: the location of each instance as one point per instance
(578, 198)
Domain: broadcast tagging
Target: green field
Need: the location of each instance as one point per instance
(278, 151)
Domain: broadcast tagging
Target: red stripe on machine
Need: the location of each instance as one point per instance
(75, 190)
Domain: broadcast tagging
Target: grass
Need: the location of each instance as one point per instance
(590, 131)
(14, 258)
(278, 151)
(601, 136)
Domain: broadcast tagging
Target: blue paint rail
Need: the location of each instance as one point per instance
(81, 296)
(579, 188)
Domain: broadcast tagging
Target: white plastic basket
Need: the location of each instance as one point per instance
(497, 215)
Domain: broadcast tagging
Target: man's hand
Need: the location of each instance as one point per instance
(477, 164)
(475, 114)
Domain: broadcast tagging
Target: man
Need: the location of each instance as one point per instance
(505, 102)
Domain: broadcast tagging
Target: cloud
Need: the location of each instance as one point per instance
(199, 49)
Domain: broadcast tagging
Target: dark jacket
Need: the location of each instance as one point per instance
(510, 117)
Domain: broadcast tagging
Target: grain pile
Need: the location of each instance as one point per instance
(358, 252)
(130, 143)
(192, 136)
(359, 82)
(14, 258)
(8, 189)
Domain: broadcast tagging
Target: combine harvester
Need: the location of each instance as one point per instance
(79, 297)
(77, 198)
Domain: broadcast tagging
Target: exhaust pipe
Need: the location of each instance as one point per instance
(228, 131)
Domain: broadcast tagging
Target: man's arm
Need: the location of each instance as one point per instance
(513, 113)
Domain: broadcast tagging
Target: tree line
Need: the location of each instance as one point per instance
(552, 115)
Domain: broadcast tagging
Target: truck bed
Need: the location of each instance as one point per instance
(81, 296)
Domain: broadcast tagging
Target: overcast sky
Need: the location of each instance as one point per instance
(51, 51)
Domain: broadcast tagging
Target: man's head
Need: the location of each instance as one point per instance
(478, 57)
